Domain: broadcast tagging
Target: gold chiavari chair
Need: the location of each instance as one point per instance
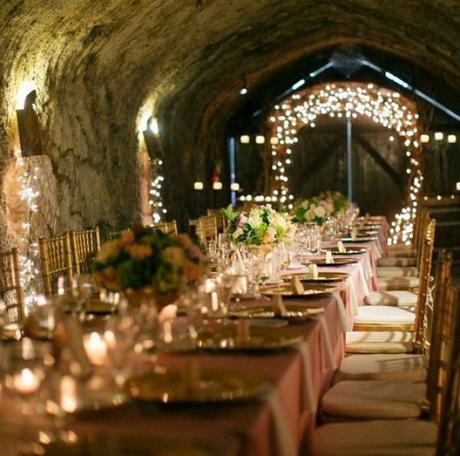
(10, 287)
(85, 245)
(220, 218)
(206, 228)
(395, 318)
(56, 258)
(440, 435)
(168, 227)
(401, 399)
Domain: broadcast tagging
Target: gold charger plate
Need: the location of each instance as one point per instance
(213, 385)
(122, 445)
(258, 339)
(353, 251)
(323, 277)
(338, 261)
(267, 312)
(316, 290)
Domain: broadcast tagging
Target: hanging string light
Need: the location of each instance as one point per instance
(347, 100)
(155, 198)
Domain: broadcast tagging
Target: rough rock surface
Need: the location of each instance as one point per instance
(97, 64)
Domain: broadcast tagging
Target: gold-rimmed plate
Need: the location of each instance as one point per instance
(323, 277)
(310, 291)
(258, 339)
(338, 261)
(349, 251)
(293, 313)
(171, 386)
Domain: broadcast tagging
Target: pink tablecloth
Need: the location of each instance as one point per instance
(278, 424)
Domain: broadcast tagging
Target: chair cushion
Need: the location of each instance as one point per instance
(379, 342)
(397, 271)
(397, 261)
(387, 315)
(376, 438)
(374, 399)
(401, 298)
(383, 366)
(397, 283)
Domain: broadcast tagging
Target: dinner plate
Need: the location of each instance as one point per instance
(350, 251)
(171, 386)
(323, 277)
(267, 313)
(359, 239)
(316, 290)
(258, 339)
(338, 261)
(98, 308)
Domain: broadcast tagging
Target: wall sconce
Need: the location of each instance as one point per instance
(457, 186)
(424, 139)
(439, 136)
(245, 139)
(260, 139)
(235, 187)
(451, 139)
(217, 185)
(198, 185)
(244, 89)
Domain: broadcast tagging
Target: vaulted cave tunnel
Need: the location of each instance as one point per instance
(101, 68)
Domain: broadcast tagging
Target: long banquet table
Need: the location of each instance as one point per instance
(281, 422)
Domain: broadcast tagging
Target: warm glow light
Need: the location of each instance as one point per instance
(457, 186)
(217, 185)
(235, 187)
(439, 136)
(154, 128)
(260, 139)
(274, 140)
(198, 185)
(424, 139)
(24, 89)
(451, 139)
(245, 139)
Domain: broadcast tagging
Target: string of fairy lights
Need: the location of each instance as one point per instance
(347, 101)
(155, 197)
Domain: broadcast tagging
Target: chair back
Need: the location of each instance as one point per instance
(167, 227)
(206, 228)
(423, 320)
(220, 219)
(449, 417)
(10, 286)
(85, 245)
(56, 258)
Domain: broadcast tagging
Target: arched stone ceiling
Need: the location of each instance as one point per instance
(96, 62)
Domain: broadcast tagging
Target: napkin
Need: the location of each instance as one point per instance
(313, 271)
(329, 258)
(354, 233)
(341, 248)
(297, 286)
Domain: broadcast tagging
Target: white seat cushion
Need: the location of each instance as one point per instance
(397, 271)
(376, 438)
(383, 366)
(379, 342)
(387, 315)
(374, 399)
(397, 283)
(396, 261)
(401, 298)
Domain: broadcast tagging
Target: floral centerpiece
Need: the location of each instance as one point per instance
(318, 208)
(145, 260)
(261, 225)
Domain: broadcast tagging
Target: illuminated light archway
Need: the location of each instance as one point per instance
(347, 100)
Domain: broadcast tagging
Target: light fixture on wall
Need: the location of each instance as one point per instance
(439, 136)
(198, 185)
(245, 139)
(451, 139)
(457, 186)
(217, 185)
(244, 88)
(425, 138)
(260, 139)
(235, 187)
